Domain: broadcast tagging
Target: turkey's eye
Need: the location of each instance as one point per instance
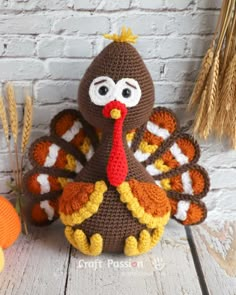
(101, 90)
(126, 93)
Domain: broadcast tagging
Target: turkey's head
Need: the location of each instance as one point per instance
(118, 74)
(116, 94)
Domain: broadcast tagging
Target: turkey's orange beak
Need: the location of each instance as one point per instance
(114, 110)
(115, 114)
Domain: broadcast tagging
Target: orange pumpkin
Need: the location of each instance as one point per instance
(10, 227)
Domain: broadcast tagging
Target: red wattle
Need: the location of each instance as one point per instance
(117, 167)
(115, 104)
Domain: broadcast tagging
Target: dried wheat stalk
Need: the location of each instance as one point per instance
(28, 114)
(201, 114)
(201, 79)
(229, 85)
(229, 94)
(13, 115)
(215, 89)
(212, 95)
(3, 117)
(27, 125)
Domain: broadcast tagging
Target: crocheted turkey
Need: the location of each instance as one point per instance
(116, 170)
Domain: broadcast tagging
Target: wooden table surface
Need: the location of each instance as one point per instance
(200, 260)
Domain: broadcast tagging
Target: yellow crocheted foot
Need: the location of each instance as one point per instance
(2, 260)
(146, 242)
(78, 239)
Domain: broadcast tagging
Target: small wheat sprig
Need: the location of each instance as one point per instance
(13, 115)
(3, 117)
(201, 79)
(212, 95)
(225, 115)
(213, 83)
(229, 86)
(200, 117)
(27, 126)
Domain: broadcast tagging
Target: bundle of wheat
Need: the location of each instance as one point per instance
(214, 93)
(9, 117)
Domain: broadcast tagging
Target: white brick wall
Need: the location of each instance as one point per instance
(45, 47)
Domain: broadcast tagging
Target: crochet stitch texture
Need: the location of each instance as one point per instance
(10, 227)
(116, 170)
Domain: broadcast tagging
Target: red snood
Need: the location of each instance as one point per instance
(117, 167)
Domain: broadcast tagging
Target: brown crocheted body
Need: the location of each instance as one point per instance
(113, 220)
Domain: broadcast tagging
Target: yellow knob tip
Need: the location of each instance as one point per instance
(115, 114)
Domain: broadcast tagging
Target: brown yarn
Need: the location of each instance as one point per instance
(112, 211)
(113, 221)
(117, 60)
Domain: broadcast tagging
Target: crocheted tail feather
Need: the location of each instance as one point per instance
(170, 156)
(56, 159)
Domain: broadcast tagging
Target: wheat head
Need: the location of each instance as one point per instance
(212, 95)
(201, 79)
(200, 117)
(3, 117)
(13, 115)
(226, 112)
(28, 115)
(229, 86)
